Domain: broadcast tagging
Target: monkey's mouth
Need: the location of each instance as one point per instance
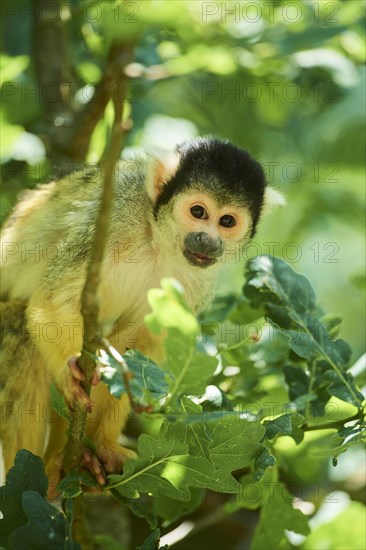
(198, 259)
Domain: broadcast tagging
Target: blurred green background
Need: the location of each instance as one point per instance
(284, 79)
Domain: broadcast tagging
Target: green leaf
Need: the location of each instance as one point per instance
(172, 510)
(28, 520)
(249, 496)
(235, 443)
(70, 486)
(148, 472)
(196, 435)
(188, 368)
(142, 510)
(289, 302)
(191, 369)
(343, 387)
(152, 542)
(277, 515)
(46, 526)
(220, 309)
(11, 67)
(263, 460)
(58, 402)
(147, 384)
(230, 443)
(27, 474)
(279, 426)
(252, 493)
(164, 467)
(297, 380)
(297, 433)
(285, 296)
(319, 388)
(339, 352)
(302, 344)
(243, 313)
(170, 310)
(331, 322)
(184, 457)
(139, 507)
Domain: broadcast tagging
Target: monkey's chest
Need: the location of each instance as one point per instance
(123, 292)
(124, 288)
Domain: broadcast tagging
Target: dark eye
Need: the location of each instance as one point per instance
(227, 221)
(199, 212)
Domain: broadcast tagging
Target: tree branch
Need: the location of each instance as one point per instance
(69, 139)
(89, 304)
(331, 425)
(88, 117)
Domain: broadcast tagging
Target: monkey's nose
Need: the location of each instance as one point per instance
(200, 237)
(207, 244)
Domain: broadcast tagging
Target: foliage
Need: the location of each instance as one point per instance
(202, 444)
(245, 396)
(28, 520)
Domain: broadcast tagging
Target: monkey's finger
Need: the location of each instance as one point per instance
(92, 463)
(75, 370)
(79, 375)
(86, 456)
(52, 492)
(96, 378)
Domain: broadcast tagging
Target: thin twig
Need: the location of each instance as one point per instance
(127, 377)
(331, 425)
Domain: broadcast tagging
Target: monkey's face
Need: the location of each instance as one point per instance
(202, 229)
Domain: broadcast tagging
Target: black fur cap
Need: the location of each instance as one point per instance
(224, 170)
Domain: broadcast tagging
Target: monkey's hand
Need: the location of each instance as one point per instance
(107, 461)
(72, 389)
(112, 457)
(89, 461)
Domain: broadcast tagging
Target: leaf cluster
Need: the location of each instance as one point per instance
(215, 423)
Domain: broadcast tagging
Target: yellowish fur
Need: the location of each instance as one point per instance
(45, 246)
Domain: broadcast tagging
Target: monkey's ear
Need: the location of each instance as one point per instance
(272, 200)
(161, 168)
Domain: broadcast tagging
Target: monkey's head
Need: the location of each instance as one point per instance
(207, 199)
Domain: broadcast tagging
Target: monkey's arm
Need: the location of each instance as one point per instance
(56, 326)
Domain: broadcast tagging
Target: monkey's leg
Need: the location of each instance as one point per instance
(53, 457)
(25, 385)
(109, 415)
(104, 426)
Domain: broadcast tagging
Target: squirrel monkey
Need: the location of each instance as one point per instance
(184, 216)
